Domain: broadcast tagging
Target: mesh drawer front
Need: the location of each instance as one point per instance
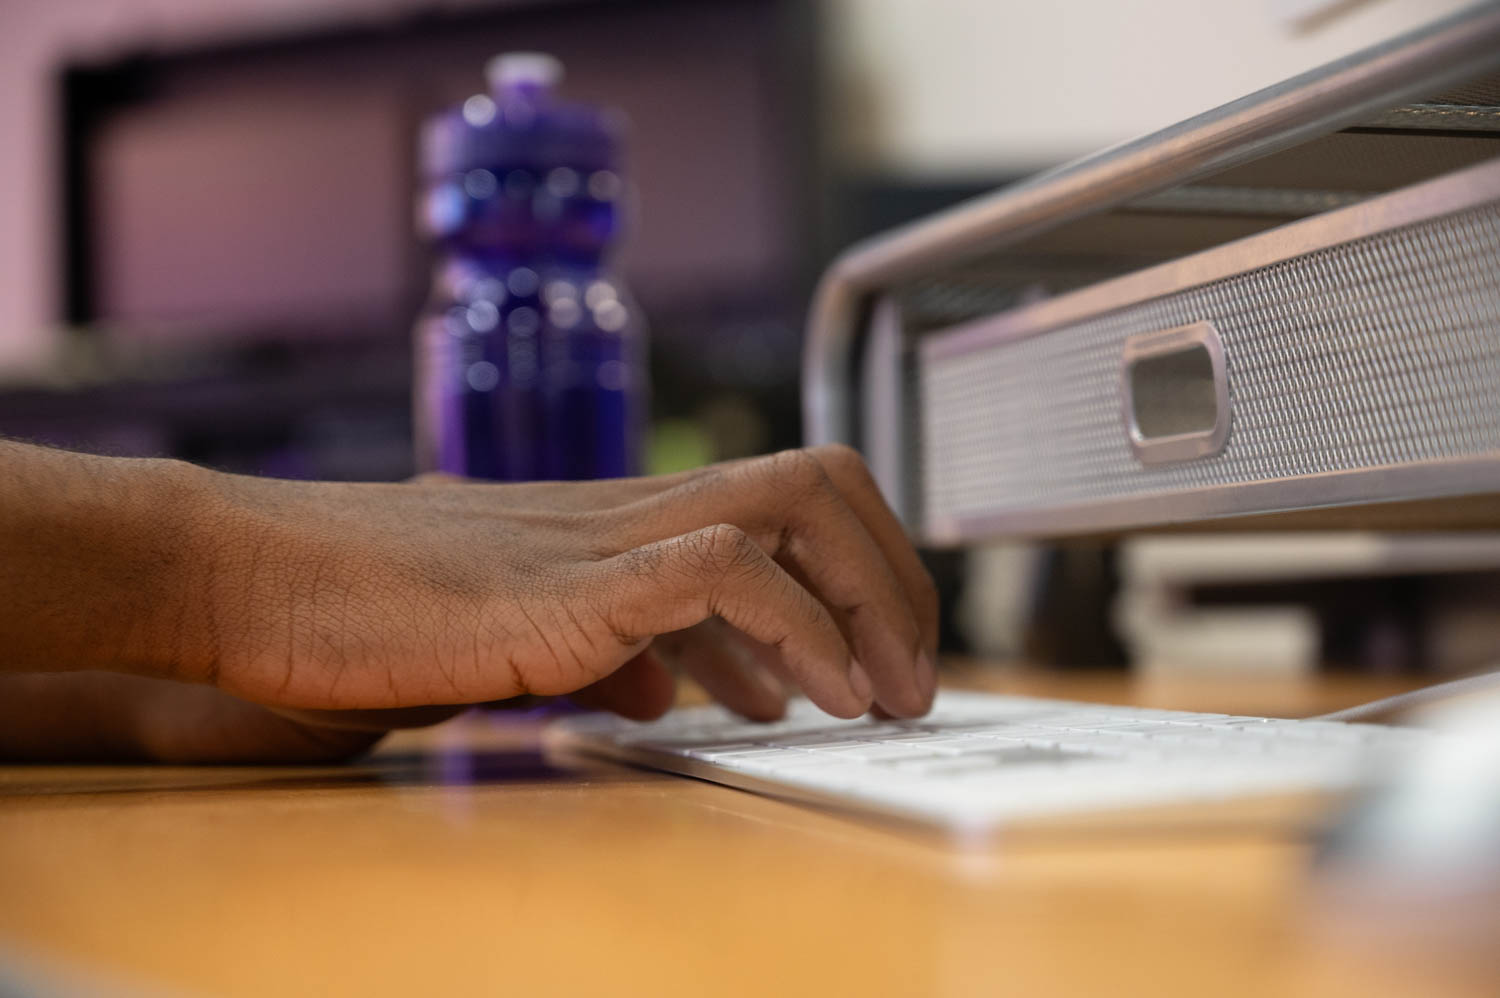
(1381, 351)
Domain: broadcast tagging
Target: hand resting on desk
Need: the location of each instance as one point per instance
(303, 614)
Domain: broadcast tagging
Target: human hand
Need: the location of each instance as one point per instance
(330, 596)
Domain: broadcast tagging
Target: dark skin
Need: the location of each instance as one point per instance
(156, 610)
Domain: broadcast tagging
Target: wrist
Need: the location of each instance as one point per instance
(98, 559)
(173, 508)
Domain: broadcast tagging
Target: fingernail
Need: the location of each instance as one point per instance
(859, 681)
(926, 676)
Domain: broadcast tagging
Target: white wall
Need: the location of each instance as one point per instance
(983, 86)
(926, 87)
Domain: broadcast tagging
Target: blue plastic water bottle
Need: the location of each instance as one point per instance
(530, 356)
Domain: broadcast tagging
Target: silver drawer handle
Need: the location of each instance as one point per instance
(1175, 394)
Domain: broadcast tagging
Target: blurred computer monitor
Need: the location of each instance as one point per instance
(263, 189)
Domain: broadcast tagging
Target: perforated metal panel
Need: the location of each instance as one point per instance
(1474, 106)
(1339, 230)
(1483, 91)
(1376, 352)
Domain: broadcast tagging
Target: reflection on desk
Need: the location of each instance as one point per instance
(459, 860)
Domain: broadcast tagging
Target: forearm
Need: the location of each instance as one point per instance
(98, 563)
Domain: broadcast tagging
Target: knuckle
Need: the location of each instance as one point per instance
(726, 563)
(725, 548)
(841, 457)
(848, 466)
(801, 471)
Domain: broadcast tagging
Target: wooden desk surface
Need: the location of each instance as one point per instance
(458, 861)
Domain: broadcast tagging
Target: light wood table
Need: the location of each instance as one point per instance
(458, 861)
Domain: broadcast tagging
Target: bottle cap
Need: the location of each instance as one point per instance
(523, 71)
(521, 123)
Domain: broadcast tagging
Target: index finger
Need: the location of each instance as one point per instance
(852, 477)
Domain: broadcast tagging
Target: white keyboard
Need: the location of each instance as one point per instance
(979, 761)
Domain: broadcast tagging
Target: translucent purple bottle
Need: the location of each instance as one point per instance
(530, 357)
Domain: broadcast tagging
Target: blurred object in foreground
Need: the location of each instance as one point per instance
(530, 360)
(1408, 884)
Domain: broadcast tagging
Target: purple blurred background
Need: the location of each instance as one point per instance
(240, 268)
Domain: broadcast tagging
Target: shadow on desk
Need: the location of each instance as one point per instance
(407, 768)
